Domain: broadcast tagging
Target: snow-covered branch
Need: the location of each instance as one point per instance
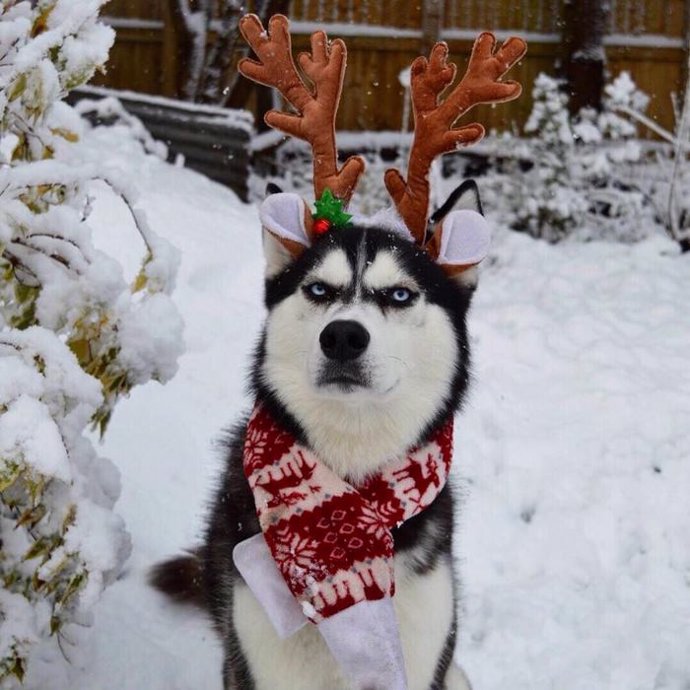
(676, 210)
(647, 122)
(678, 220)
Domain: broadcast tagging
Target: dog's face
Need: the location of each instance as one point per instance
(365, 344)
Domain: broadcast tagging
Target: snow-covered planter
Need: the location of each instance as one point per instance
(211, 140)
(74, 336)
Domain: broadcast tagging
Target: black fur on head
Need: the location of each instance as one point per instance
(466, 195)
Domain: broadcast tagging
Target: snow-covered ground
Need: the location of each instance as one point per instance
(573, 453)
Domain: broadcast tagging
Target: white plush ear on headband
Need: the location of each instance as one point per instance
(284, 216)
(465, 238)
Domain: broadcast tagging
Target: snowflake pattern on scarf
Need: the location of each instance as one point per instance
(332, 541)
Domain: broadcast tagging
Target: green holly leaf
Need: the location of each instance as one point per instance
(331, 208)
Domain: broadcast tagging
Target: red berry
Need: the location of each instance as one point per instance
(321, 225)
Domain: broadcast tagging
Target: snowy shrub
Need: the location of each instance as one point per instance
(578, 179)
(670, 177)
(552, 207)
(61, 542)
(74, 336)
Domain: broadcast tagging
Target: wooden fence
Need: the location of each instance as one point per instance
(646, 37)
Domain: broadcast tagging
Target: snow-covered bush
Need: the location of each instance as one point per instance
(672, 174)
(547, 204)
(74, 336)
(578, 180)
(61, 542)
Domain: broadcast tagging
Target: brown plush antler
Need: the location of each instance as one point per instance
(316, 109)
(434, 133)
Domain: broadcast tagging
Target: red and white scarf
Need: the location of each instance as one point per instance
(332, 541)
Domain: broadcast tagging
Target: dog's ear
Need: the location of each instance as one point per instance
(273, 188)
(287, 224)
(466, 196)
(461, 240)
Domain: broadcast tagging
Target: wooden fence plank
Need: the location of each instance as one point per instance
(135, 62)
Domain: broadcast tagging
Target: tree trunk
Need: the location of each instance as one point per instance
(585, 24)
(213, 87)
(206, 74)
(432, 22)
(191, 18)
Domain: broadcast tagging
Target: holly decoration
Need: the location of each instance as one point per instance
(329, 213)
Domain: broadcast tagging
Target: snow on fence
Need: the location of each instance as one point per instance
(645, 37)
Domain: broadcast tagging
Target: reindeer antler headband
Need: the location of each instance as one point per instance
(316, 105)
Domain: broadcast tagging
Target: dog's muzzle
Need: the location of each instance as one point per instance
(343, 343)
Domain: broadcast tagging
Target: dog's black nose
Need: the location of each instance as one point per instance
(344, 340)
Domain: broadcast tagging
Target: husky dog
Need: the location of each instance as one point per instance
(363, 354)
(364, 357)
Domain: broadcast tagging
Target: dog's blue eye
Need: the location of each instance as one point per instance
(319, 292)
(395, 297)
